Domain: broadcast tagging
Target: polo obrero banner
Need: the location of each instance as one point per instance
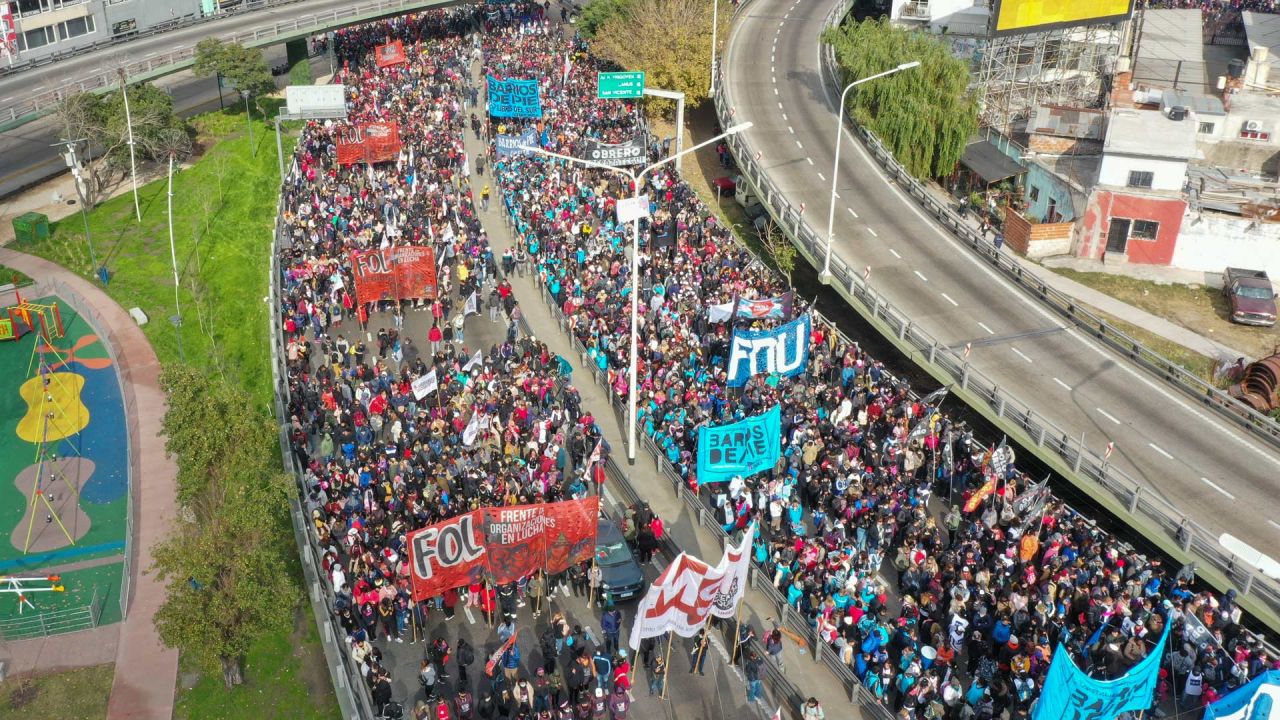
(621, 154)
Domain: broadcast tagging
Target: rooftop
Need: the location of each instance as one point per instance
(1082, 123)
(1148, 133)
(1173, 54)
(1263, 31)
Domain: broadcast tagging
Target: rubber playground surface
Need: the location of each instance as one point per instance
(77, 527)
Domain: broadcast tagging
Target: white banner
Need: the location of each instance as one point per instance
(425, 384)
(478, 422)
(633, 208)
(473, 362)
(473, 304)
(689, 590)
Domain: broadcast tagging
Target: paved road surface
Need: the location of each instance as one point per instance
(1225, 480)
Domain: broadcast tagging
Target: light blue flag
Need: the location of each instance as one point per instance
(742, 448)
(1068, 693)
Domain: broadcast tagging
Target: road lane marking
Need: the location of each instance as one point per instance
(799, 145)
(1064, 385)
(471, 619)
(820, 177)
(784, 117)
(1160, 450)
(851, 212)
(873, 232)
(809, 159)
(775, 90)
(837, 196)
(921, 276)
(791, 130)
(1022, 354)
(1218, 487)
(1273, 524)
(948, 298)
(984, 327)
(1107, 415)
(779, 106)
(895, 253)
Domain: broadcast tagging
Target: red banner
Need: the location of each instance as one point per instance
(502, 544)
(372, 143)
(391, 54)
(396, 273)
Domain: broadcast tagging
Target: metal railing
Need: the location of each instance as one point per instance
(36, 105)
(1088, 467)
(54, 622)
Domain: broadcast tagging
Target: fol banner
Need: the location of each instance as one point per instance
(759, 309)
(372, 143)
(1069, 693)
(622, 154)
(688, 591)
(742, 448)
(511, 144)
(783, 350)
(395, 273)
(514, 98)
(502, 544)
(391, 54)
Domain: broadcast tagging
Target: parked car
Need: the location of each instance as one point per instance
(1253, 300)
(621, 575)
(725, 185)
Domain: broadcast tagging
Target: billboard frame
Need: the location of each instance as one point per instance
(997, 5)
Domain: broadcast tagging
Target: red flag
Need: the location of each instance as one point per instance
(981, 494)
(490, 666)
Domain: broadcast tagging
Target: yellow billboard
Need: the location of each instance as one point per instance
(1021, 16)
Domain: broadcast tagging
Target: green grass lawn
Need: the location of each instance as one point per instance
(224, 212)
(9, 275)
(79, 694)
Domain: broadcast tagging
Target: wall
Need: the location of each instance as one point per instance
(1036, 240)
(144, 13)
(1210, 242)
(1067, 201)
(1168, 174)
(1107, 204)
(1234, 122)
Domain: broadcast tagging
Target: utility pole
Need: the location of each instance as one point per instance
(133, 162)
(248, 118)
(173, 259)
(69, 156)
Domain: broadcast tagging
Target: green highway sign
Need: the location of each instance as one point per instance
(612, 85)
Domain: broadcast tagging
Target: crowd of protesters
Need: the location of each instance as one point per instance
(1211, 8)
(981, 598)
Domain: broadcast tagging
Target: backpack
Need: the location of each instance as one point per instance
(466, 655)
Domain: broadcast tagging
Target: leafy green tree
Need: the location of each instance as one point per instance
(100, 119)
(924, 116)
(670, 40)
(241, 66)
(598, 12)
(226, 568)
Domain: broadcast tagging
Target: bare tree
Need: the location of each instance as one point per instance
(779, 249)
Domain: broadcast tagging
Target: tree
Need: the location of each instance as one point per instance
(226, 572)
(243, 67)
(779, 249)
(924, 116)
(100, 119)
(675, 52)
(598, 12)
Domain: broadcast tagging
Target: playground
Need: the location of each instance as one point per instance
(64, 462)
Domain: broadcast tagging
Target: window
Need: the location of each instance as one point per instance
(1035, 193)
(75, 28)
(1206, 128)
(1144, 230)
(1140, 178)
(37, 38)
(1246, 134)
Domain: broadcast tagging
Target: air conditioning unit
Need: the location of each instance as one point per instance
(1252, 125)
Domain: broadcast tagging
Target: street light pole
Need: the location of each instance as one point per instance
(715, 20)
(248, 119)
(73, 163)
(133, 162)
(636, 177)
(825, 275)
(173, 259)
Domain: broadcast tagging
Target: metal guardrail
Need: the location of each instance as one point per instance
(56, 622)
(36, 105)
(1188, 535)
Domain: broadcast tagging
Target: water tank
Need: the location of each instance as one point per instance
(1235, 68)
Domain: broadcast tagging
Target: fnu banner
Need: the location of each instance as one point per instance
(783, 350)
(741, 449)
(1069, 693)
(514, 98)
(510, 144)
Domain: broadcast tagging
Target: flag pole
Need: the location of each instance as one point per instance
(737, 633)
(666, 665)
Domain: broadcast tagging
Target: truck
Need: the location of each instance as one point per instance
(1252, 299)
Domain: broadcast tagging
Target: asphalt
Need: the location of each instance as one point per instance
(1222, 479)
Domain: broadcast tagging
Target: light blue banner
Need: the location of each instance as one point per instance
(514, 98)
(783, 350)
(742, 448)
(1069, 693)
(510, 144)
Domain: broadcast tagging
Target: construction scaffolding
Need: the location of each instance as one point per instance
(1071, 67)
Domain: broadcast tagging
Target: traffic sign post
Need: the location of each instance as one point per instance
(615, 85)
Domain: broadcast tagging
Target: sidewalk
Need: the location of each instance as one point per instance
(146, 671)
(1120, 309)
(803, 670)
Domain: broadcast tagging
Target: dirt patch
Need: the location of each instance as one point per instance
(314, 670)
(1198, 308)
(23, 695)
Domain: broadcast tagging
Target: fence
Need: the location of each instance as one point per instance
(57, 622)
(87, 311)
(1168, 525)
(44, 102)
